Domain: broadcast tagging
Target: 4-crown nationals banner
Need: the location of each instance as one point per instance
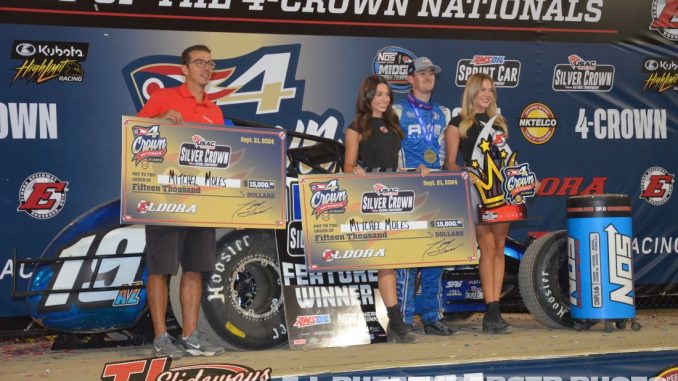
(202, 175)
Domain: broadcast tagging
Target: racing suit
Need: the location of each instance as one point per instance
(423, 125)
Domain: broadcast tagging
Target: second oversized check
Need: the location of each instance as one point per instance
(382, 221)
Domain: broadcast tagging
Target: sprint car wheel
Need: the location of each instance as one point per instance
(241, 306)
(543, 280)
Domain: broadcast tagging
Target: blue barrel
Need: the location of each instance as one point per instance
(600, 257)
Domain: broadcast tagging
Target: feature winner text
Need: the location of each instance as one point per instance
(329, 289)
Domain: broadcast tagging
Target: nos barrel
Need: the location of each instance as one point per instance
(599, 257)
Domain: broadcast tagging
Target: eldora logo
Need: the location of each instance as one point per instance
(391, 64)
(148, 145)
(144, 207)
(538, 123)
(159, 369)
(328, 198)
(664, 18)
(656, 185)
(42, 195)
(328, 255)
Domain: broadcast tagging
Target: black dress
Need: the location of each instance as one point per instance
(380, 151)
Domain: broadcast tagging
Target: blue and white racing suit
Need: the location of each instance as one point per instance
(418, 139)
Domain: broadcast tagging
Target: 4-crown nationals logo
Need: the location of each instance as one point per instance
(148, 145)
(328, 198)
(665, 18)
(42, 195)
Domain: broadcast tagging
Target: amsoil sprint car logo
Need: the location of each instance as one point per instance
(665, 18)
(328, 198)
(159, 369)
(148, 145)
(42, 195)
(47, 60)
(203, 153)
(582, 75)
(538, 123)
(504, 73)
(391, 64)
(387, 200)
(656, 185)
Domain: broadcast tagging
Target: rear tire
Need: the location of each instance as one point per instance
(543, 280)
(241, 306)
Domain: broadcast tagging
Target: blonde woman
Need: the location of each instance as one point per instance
(479, 106)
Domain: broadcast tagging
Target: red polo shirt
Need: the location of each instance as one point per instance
(181, 100)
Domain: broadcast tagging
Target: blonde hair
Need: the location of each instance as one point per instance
(468, 114)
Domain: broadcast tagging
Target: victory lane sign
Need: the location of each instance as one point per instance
(381, 221)
(202, 175)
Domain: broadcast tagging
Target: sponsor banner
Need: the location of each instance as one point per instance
(42, 195)
(387, 220)
(552, 20)
(202, 175)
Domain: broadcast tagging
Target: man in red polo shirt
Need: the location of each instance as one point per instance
(168, 246)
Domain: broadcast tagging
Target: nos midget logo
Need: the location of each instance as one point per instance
(328, 198)
(42, 195)
(148, 145)
(656, 185)
(387, 200)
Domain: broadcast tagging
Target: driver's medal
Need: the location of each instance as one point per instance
(494, 173)
(430, 156)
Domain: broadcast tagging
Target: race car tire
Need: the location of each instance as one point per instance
(543, 280)
(241, 306)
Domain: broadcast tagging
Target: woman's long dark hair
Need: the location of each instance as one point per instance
(363, 108)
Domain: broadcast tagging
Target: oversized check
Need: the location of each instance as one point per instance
(202, 175)
(381, 221)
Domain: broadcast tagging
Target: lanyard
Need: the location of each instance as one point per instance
(427, 127)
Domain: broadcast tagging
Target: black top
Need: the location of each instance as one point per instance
(382, 147)
(468, 144)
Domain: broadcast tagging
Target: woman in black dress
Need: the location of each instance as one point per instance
(479, 105)
(374, 137)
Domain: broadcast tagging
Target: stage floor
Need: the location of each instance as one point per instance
(530, 340)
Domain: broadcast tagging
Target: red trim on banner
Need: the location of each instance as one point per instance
(310, 22)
